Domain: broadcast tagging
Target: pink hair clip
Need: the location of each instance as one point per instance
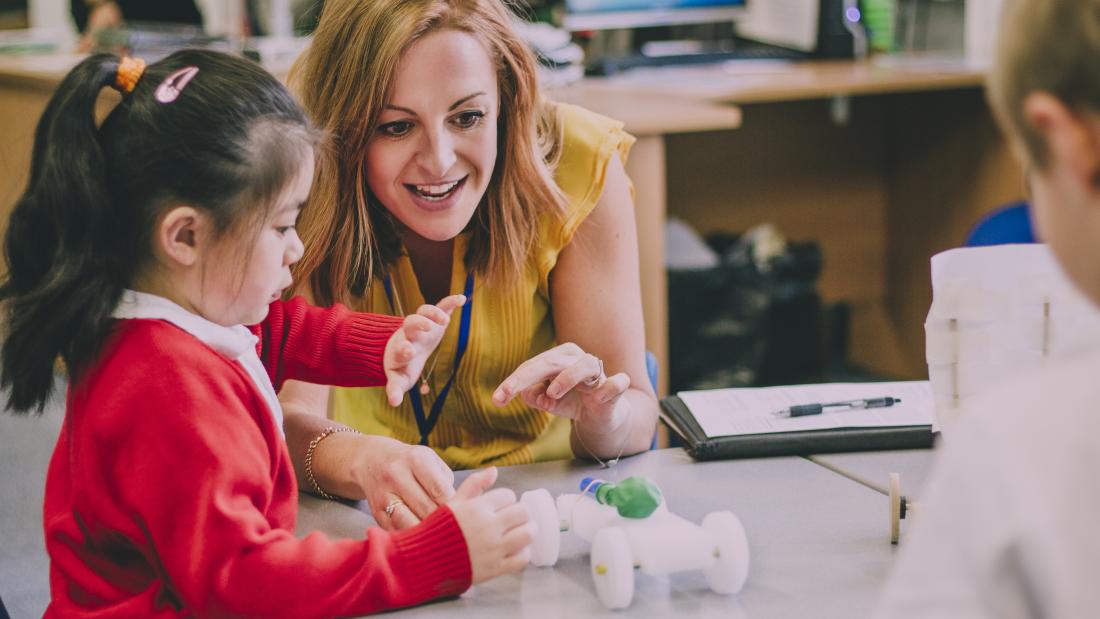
(169, 90)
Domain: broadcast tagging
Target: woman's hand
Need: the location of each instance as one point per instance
(411, 345)
(410, 480)
(568, 382)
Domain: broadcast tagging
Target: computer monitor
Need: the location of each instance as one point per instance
(611, 14)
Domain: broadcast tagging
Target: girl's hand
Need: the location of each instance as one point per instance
(568, 382)
(411, 345)
(498, 530)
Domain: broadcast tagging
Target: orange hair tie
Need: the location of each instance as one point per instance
(130, 69)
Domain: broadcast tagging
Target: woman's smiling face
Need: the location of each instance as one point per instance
(431, 157)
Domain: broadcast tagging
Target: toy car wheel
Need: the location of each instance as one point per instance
(895, 507)
(613, 567)
(731, 551)
(547, 544)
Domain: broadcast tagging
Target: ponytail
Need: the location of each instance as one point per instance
(225, 140)
(64, 274)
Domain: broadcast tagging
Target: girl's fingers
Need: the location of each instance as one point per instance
(476, 484)
(416, 326)
(519, 537)
(513, 516)
(516, 562)
(396, 388)
(440, 314)
(434, 314)
(451, 303)
(405, 353)
(498, 498)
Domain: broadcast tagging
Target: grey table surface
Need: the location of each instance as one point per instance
(818, 541)
(914, 467)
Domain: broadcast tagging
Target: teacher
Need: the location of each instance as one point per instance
(446, 172)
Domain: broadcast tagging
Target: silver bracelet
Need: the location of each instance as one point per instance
(329, 431)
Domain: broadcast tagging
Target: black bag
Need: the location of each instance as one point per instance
(753, 320)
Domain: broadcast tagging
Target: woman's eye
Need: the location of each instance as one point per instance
(282, 230)
(466, 120)
(396, 129)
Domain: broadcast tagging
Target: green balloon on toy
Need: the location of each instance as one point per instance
(634, 497)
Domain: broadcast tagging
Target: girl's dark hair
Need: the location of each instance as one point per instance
(83, 228)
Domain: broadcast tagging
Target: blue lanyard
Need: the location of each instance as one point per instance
(426, 424)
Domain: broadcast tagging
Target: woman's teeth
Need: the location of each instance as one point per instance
(436, 192)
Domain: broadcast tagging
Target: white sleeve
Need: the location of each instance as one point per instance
(960, 556)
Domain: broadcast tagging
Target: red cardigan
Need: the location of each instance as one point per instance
(171, 493)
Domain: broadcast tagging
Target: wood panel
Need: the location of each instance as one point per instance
(948, 166)
(646, 167)
(21, 106)
(772, 81)
(905, 178)
(19, 112)
(790, 165)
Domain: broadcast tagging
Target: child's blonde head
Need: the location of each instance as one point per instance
(1048, 46)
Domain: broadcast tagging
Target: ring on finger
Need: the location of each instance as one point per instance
(392, 505)
(592, 381)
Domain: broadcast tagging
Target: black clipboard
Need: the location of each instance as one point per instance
(678, 417)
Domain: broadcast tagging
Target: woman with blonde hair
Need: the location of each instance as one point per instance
(445, 171)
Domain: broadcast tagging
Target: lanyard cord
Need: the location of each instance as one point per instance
(425, 424)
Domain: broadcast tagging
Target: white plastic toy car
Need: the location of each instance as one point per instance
(660, 543)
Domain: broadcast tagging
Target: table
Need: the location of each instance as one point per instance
(818, 541)
(913, 465)
(875, 468)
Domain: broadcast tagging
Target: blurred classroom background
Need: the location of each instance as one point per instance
(798, 163)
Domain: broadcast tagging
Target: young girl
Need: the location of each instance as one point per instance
(135, 255)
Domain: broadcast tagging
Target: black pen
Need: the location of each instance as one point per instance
(802, 410)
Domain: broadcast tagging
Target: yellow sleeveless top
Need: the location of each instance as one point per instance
(506, 328)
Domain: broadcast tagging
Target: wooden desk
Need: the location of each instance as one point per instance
(905, 174)
(771, 81)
